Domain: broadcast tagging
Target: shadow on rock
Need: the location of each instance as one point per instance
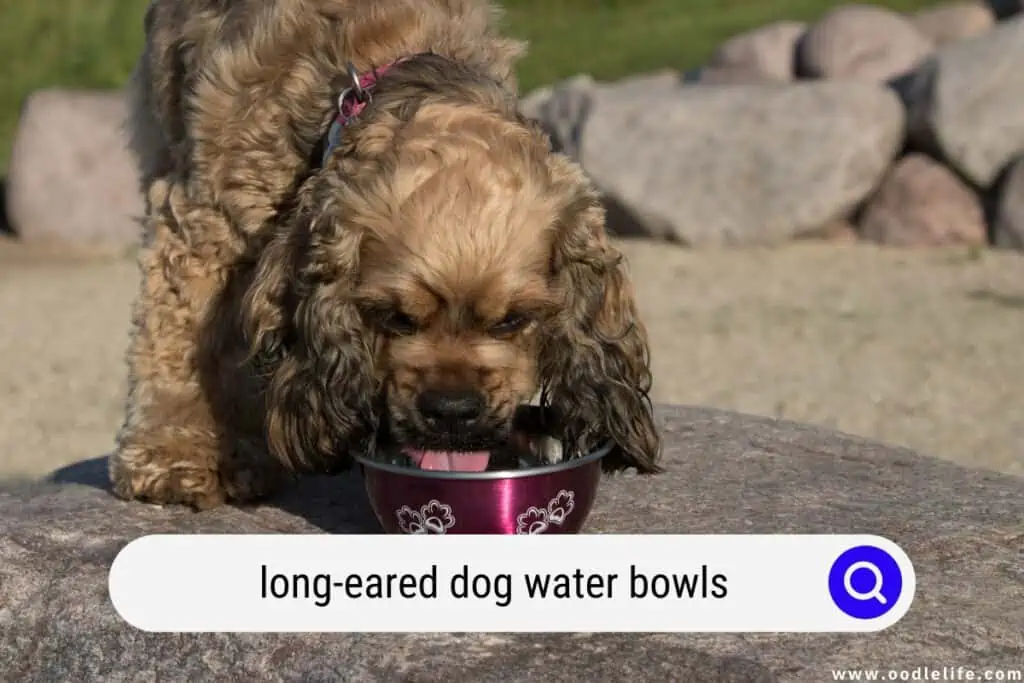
(91, 473)
(623, 221)
(335, 504)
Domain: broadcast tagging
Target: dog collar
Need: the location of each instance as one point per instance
(351, 102)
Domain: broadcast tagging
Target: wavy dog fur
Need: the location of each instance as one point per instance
(265, 339)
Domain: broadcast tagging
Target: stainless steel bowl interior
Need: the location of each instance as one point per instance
(500, 474)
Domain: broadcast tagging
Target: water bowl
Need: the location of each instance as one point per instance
(543, 499)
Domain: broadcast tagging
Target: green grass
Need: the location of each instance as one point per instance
(93, 43)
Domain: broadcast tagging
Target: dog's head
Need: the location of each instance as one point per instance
(443, 269)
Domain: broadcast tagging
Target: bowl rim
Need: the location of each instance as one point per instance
(565, 465)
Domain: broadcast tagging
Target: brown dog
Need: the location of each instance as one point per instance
(414, 272)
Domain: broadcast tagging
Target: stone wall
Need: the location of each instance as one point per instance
(865, 125)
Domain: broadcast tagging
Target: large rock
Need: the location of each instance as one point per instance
(71, 179)
(861, 42)
(645, 84)
(954, 21)
(531, 104)
(965, 102)
(726, 75)
(769, 51)
(727, 473)
(922, 203)
(744, 164)
(563, 109)
(1008, 227)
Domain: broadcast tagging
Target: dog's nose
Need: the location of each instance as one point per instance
(451, 406)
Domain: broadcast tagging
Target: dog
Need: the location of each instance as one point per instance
(353, 236)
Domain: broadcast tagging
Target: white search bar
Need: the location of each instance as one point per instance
(512, 584)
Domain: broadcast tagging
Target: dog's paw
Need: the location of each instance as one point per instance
(157, 469)
(197, 489)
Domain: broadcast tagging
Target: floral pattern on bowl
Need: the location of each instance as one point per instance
(433, 518)
(437, 518)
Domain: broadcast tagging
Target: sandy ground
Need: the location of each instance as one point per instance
(922, 349)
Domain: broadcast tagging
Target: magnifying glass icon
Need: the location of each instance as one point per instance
(865, 582)
(876, 591)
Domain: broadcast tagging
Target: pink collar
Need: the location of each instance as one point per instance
(352, 101)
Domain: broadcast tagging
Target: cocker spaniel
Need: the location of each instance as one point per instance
(352, 234)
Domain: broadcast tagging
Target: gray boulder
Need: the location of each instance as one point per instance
(727, 75)
(740, 165)
(965, 102)
(921, 203)
(727, 473)
(563, 109)
(861, 42)
(769, 51)
(71, 178)
(531, 104)
(954, 21)
(1008, 227)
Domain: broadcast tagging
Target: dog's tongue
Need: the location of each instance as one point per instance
(450, 461)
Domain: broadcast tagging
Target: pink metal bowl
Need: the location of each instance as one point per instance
(553, 499)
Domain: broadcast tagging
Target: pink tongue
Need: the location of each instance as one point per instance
(450, 461)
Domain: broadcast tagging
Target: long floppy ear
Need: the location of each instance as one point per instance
(595, 359)
(308, 338)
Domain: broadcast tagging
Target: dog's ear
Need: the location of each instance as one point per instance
(308, 338)
(595, 360)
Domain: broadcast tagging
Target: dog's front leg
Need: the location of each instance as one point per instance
(174, 447)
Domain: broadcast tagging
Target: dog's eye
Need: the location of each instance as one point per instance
(397, 322)
(513, 322)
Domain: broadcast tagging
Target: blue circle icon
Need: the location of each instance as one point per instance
(865, 582)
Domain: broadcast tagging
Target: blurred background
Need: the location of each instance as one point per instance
(822, 205)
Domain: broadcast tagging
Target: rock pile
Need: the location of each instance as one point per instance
(904, 130)
(71, 180)
(867, 124)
